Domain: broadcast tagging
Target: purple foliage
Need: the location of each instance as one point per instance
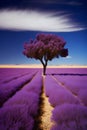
(30, 99)
(61, 96)
(67, 71)
(11, 87)
(69, 117)
(50, 85)
(15, 118)
(8, 74)
(58, 94)
(73, 83)
(35, 85)
(44, 48)
(83, 96)
(18, 81)
(3, 96)
(18, 112)
(48, 45)
(64, 127)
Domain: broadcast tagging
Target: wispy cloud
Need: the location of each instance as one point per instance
(69, 57)
(37, 21)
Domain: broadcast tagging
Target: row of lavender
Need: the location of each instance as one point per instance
(9, 74)
(19, 111)
(67, 71)
(69, 113)
(13, 82)
(77, 85)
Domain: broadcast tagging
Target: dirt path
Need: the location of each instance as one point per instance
(43, 120)
(47, 111)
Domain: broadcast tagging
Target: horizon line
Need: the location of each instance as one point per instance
(40, 66)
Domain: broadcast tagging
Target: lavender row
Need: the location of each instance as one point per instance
(74, 83)
(69, 117)
(67, 71)
(57, 94)
(20, 110)
(67, 114)
(7, 75)
(77, 85)
(35, 84)
(8, 89)
(12, 77)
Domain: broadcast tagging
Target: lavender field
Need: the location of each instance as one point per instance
(21, 89)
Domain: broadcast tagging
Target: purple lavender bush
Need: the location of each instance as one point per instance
(35, 85)
(11, 87)
(30, 99)
(15, 118)
(49, 85)
(73, 83)
(58, 94)
(69, 117)
(61, 96)
(83, 96)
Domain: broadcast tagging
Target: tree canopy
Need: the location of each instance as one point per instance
(45, 47)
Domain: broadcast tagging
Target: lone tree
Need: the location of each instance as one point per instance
(44, 48)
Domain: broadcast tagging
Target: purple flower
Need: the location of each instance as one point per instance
(15, 118)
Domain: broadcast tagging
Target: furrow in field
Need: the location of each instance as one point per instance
(65, 87)
(11, 88)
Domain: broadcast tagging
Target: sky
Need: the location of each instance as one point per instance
(21, 20)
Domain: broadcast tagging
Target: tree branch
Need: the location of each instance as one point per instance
(42, 62)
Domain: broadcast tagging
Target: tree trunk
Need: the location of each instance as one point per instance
(44, 69)
(44, 65)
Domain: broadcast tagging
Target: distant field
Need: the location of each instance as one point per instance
(20, 89)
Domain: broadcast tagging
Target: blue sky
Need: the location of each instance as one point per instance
(21, 20)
